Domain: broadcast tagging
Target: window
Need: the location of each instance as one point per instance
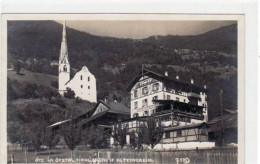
(135, 114)
(65, 68)
(168, 97)
(81, 77)
(135, 93)
(81, 86)
(156, 87)
(88, 87)
(144, 103)
(145, 90)
(88, 78)
(155, 98)
(167, 134)
(136, 105)
(203, 132)
(179, 133)
(184, 100)
(145, 113)
(177, 99)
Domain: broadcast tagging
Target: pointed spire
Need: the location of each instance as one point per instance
(64, 49)
(64, 33)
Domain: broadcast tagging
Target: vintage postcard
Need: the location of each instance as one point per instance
(124, 88)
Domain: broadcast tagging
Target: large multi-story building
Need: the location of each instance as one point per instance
(180, 107)
(149, 90)
(83, 83)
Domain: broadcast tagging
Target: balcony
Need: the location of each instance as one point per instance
(191, 94)
(181, 113)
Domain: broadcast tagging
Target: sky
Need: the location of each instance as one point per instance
(143, 29)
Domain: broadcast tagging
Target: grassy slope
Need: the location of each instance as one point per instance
(32, 77)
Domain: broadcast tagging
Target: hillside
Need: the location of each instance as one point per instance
(223, 39)
(208, 58)
(27, 76)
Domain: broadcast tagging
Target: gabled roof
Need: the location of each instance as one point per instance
(115, 107)
(93, 117)
(170, 83)
(229, 121)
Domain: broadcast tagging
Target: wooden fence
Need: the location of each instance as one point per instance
(208, 156)
(83, 155)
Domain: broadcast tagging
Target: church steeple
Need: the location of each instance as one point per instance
(64, 58)
(64, 65)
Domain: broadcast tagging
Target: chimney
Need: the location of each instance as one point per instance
(191, 81)
(166, 73)
(105, 99)
(177, 77)
(205, 86)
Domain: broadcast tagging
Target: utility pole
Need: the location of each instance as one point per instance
(221, 116)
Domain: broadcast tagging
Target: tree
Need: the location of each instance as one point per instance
(24, 138)
(58, 101)
(50, 139)
(36, 134)
(17, 67)
(133, 139)
(119, 134)
(141, 136)
(72, 135)
(13, 131)
(96, 137)
(153, 132)
(69, 93)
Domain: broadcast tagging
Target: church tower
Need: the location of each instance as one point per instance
(64, 65)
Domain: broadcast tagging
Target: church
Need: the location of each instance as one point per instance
(83, 83)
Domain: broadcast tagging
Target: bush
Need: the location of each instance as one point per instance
(69, 94)
(96, 137)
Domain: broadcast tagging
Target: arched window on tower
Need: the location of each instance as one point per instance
(65, 68)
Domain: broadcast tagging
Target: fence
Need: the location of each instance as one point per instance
(209, 156)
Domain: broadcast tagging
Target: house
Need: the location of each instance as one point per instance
(186, 133)
(104, 114)
(83, 83)
(148, 86)
(179, 106)
(230, 129)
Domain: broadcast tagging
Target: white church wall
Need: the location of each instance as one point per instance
(84, 85)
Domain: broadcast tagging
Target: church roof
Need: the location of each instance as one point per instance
(64, 58)
(169, 83)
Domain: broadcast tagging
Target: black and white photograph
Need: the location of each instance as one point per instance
(119, 89)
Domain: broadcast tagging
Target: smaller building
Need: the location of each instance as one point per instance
(104, 114)
(230, 128)
(187, 133)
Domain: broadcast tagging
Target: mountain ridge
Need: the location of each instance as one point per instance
(208, 58)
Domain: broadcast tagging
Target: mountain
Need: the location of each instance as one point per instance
(223, 39)
(209, 58)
